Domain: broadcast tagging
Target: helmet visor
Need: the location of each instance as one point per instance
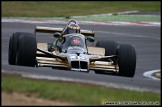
(72, 31)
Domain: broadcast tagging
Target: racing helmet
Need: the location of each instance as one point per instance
(73, 28)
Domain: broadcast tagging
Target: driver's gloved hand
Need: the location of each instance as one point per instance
(50, 47)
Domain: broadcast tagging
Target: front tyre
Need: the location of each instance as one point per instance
(126, 60)
(27, 46)
(12, 50)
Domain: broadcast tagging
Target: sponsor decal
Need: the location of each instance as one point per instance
(75, 41)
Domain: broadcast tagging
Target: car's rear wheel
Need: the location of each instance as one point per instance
(26, 54)
(126, 60)
(13, 44)
(109, 45)
(110, 49)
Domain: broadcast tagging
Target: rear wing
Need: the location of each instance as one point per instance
(60, 30)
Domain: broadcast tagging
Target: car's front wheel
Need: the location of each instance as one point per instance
(26, 54)
(13, 46)
(126, 60)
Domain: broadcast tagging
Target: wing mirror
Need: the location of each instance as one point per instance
(57, 34)
(90, 39)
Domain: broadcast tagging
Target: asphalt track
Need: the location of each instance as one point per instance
(145, 38)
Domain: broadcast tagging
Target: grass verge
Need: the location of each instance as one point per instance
(157, 75)
(77, 93)
(73, 8)
(119, 18)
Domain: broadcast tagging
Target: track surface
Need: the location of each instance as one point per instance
(145, 38)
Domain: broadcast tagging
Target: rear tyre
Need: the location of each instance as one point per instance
(27, 46)
(109, 45)
(110, 49)
(126, 60)
(13, 44)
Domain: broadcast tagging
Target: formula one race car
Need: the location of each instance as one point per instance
(71, 52)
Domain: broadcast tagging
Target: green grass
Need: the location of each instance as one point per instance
(73, 8)
(121, 18)
(157, 75)
(76, 93)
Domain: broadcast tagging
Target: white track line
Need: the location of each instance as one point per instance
(148, 74)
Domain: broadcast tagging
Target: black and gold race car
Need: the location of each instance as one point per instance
(71, 52)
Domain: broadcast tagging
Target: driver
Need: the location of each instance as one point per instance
(71, 28)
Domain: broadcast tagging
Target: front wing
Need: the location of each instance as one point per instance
(48, 59)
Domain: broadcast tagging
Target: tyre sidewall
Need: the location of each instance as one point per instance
(126, 60)
(26, 54)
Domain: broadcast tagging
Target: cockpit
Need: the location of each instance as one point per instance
(74, 43)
